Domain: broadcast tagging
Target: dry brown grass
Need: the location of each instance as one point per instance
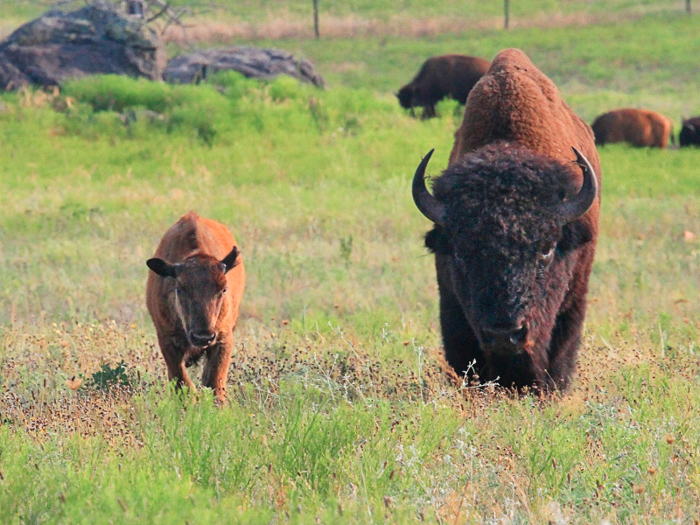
(206, 31)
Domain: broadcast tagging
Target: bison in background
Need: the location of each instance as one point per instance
(639, 127)
(439, 77)
(193, 294)
(516, 224)
(690, 132)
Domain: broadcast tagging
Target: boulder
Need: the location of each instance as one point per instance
(252, 62)
(96, 39)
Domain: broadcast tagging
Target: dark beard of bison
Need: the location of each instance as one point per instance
(512, 307)
(507, 260)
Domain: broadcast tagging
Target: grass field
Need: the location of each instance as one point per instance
(342, 410)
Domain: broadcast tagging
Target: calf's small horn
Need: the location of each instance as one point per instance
(576, 206)
(425, 202)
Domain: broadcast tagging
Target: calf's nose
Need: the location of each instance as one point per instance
(201, 338)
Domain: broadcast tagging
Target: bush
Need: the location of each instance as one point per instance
(226, 107)
(107, 377)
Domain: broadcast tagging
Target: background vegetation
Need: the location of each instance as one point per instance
(383, 9)
(342, 410)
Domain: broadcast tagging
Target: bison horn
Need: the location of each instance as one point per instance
(576, 206)
(426, 203)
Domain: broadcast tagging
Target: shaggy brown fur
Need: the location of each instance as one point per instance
(690, 132)
(193, 294)
(639, 127)
(501, 256)
(439, 77)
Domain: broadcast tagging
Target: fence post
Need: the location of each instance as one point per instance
(316, 32)
(506, 13)
(687, 6)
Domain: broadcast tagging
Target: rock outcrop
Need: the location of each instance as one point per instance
(96, 39)
(252, 62)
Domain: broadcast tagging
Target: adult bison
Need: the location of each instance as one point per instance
(690, 132)
(453, 75)
(193, 295)
(516, 223)
(639, 127)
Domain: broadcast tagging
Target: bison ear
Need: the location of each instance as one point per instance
(162, 268)
(437, 242)
(574, 235)
(231, 260)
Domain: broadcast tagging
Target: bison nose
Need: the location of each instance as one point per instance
(201, 338)
(505, 336)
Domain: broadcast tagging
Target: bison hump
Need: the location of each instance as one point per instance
(516, 102)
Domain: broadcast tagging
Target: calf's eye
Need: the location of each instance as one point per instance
(224, 291)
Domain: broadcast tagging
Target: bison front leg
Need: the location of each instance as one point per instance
(563, 348)
(428, 111)
(216, 367)
(460, 343)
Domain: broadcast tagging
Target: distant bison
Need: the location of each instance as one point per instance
(193, 294)
(448, 75)
(639, 127)
(516, 224)
(690, 132)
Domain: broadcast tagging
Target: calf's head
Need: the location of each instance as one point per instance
(200, 286)
(505, 222)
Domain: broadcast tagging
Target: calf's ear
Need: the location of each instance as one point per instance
(162, 268)
(231, 260)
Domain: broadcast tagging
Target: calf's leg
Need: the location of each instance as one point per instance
(216, 368)
(178, 371)
(174, 354)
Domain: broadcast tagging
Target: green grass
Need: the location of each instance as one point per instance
(596, 67)
(340, 409)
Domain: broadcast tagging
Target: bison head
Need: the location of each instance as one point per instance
(405, 96)
(506, 231)
(200, 286)
(690, 132)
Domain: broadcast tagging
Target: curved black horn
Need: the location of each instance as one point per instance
(426, 203)
(576, 206)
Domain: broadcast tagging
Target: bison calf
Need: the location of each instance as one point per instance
(690, 132)
(639, 127)
(193, 294)
(453, 75)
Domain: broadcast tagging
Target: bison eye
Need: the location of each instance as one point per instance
(547, 257)
(223, 292)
